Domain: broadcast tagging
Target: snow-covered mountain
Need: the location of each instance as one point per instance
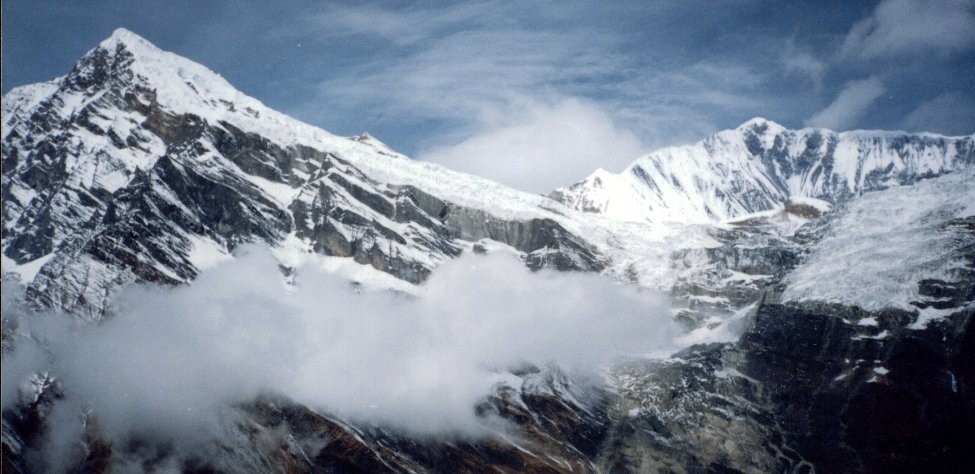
(826, 280)
(759, 166)
(140, 165)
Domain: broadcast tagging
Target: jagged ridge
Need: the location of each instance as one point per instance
(758, 166)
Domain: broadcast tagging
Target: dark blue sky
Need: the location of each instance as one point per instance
(466, 83)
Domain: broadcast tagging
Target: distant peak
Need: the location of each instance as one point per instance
(601, 173)
(129, 39)
(760, 122)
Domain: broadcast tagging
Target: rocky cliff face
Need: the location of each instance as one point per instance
(849, 385)
(825, 279)
(806, 389)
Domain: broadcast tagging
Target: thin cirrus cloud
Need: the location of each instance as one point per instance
(427, 77)
(457, 68)
(532, 106)
(508, 93)
(404, 27)
(804, 63)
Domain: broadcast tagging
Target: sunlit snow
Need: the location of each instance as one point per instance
(886, 242)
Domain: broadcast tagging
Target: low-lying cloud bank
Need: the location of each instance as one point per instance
(169, 361)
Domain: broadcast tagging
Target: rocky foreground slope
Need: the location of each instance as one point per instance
(826, 280)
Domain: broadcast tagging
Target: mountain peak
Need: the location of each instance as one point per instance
(125, 63)
(759, 165)
(181, 85)
(136, 45)
(127, 37)
(761, 123)
(121, 53)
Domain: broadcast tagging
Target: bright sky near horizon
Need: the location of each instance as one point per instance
(539, 94)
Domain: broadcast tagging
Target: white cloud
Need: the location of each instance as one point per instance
(547, 146)
(846, 111)
(951, 113)
(167, 364)
(912, 27)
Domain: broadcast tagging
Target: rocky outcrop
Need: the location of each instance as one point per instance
(721, 280)
(548, 430)
(855, 398)
(806, 389)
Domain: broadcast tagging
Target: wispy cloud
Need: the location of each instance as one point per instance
(805, 64)
(404, 26)
(466, 70)
(490, 75)
(951, 112)
(424, 76)
(912, 27)
(851, 104)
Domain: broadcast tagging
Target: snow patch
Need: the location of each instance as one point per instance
(881, 335)
(26, 271)
(727, 330)
(928, 315)
(205, 253)
(283, 193)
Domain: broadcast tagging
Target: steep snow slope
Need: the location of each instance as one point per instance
(758, 166)
(886, 242)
